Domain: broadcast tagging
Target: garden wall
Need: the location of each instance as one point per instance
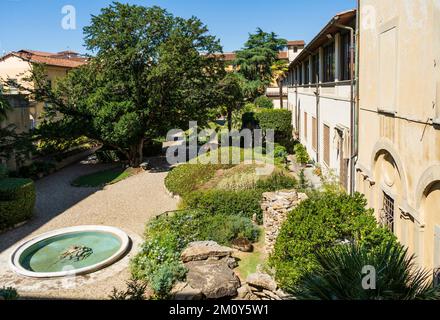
(276, 206)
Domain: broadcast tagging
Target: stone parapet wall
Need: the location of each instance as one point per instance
(276, 206)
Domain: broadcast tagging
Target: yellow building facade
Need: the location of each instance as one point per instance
(398, 165)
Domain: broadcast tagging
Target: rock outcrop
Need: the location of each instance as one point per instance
(210, 272)
(261, 286)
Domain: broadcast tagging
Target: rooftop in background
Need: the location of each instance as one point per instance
(283, 55)
(66, 59)
(342, 18)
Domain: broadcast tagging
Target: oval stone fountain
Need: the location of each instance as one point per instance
(69, 251)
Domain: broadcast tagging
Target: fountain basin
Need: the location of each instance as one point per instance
(69, 252)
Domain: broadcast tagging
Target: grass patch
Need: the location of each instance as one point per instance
(103, 178)
(250, 260)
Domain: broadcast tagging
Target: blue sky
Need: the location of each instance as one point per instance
(36, 24)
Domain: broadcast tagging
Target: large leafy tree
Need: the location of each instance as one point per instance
(341, 275)
(231, 95)
(151, 72)
(254, 62)
(279, 69)
(4, 107)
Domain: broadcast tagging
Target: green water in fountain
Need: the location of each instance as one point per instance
(70, 251)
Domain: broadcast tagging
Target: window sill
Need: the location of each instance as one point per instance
(387, 112)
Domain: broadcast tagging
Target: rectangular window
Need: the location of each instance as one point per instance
(345, 57)
(329, 63)
(315, 68)
(326, 144)
(314, 134)
(306, 74)
(387, 218)
(387, 78)
(305, 125)
(300, 75)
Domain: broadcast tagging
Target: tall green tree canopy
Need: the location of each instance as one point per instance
(152, 72)
(254, 62)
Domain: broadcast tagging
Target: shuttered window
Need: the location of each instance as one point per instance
(314, 134)
(326, 144)
(305, 125)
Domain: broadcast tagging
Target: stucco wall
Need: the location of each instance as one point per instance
(399, 98)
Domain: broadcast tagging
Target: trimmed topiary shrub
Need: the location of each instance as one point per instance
(279, 120)
(17, 200)
(244, 203)
(263, 102)
(320, 223)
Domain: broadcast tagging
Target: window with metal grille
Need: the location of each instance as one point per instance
(329, 63)
(305, 125)
(388, 212)
(326, 143)
(314, 134)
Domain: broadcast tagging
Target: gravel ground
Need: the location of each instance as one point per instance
(127, 205)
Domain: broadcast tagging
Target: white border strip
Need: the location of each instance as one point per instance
(14, 260)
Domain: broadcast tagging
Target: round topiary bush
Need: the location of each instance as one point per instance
(263, 102)
(17, 201)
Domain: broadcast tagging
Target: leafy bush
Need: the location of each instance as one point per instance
(135, 291)
(339, 276)
(301, 154)
(158, 263)
(318, 224)
(279, 120)
(244, 203)
(279, 180)
(9, 293)
(263, 102)
(34, 170)
(47, 146)
(17, 200)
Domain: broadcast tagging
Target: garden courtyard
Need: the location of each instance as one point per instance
(126, 205)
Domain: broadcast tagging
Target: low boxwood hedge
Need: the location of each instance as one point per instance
(17, 200)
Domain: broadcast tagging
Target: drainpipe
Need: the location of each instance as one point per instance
(353, 110)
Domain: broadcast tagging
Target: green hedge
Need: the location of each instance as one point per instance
(244, 203)
(319, 224)
(17, 200)
(279, 120)
(263, 102)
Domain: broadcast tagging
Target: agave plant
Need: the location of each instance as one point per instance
(342, 273)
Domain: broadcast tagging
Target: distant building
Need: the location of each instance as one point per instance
(319, 89)
(16, 66)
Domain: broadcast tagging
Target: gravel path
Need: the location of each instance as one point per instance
(127, 205)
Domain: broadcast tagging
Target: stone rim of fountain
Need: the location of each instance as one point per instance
(14, 259)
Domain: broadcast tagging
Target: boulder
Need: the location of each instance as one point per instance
(242, 244)
(262, 280)
(202, 250)
(182, 291)
(213, 278)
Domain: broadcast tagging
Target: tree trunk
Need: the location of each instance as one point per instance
(136, 154)
(280, 85)
(229, 119)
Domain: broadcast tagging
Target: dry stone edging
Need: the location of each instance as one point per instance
(276, 206)
(261, 286)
